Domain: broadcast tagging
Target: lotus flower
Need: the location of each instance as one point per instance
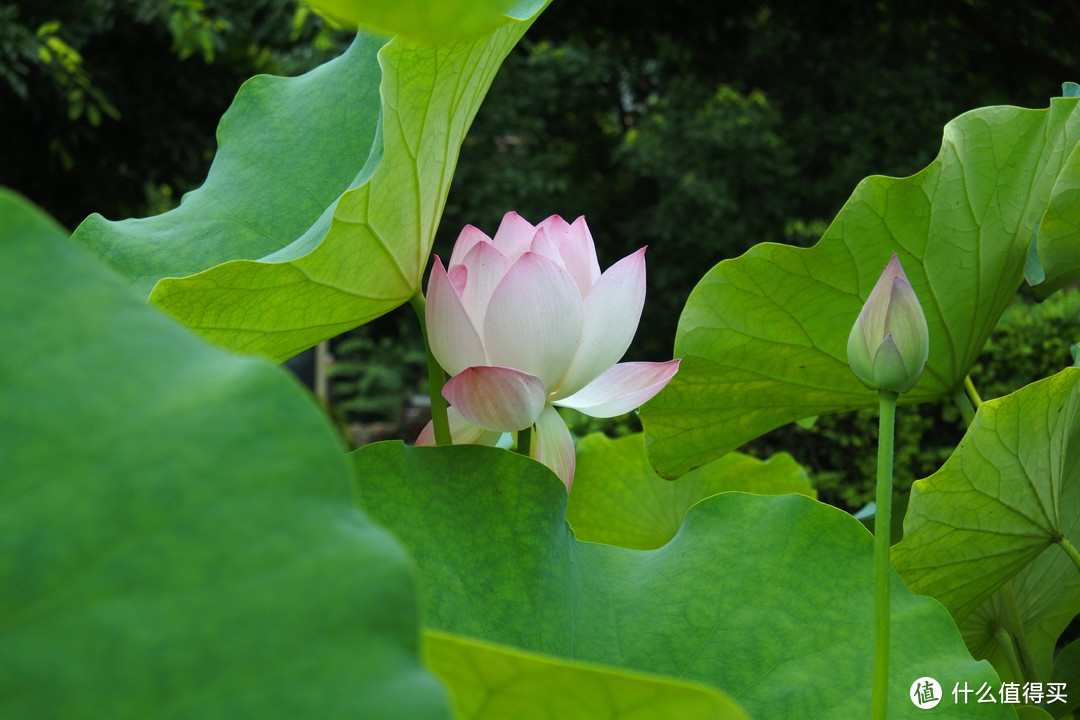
(524, 322)
(889, 344)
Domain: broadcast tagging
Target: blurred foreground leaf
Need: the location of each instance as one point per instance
(176, 534)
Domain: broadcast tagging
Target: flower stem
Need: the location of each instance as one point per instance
(882, 538)
(524, 441)
(436, 379)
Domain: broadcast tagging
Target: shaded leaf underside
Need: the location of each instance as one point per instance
(994, 512)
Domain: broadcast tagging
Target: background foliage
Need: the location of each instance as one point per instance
(696, 129)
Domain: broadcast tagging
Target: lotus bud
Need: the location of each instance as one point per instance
(889, 344)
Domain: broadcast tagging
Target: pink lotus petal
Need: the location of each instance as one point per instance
(555, 226)
(459, 278)
(534, 320)
(469, 236)
(453, 338)
(486, 266)
(514, 236)
(542, 244)
(462, 432)
(578, 251)
(622, 388)
(554, 446)
(500, 399)
(612, 311)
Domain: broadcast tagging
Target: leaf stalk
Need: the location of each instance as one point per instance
(972, 393)
(1015, 627)
(1070, 550)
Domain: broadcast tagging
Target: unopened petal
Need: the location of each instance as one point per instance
(466, 240)
(462, 432)
(577, 248)
(906, 322)
(533, 322)
(542, 244)
(486, 267)
(612, 310)
(459, 278)
(858, 354)
(622, 388)
(454, 340)
(514, 236)
(891, 370)
(875, 310)
(499, 399)
(554, 446)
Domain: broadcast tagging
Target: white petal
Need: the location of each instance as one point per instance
(554, 446)
(486, 267)
(622, 388)
(454, 341)
(514, 236)
(462, 432)
(469, 236)
(533, 322)
(612, 311)
(499, 399)
(577, 249)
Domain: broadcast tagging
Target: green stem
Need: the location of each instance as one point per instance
(1070, 550)
(1015, 627)
(1005, 641)
(524, 441)
(436, 379)
(963, 404)
(972, 393)
(882, 536)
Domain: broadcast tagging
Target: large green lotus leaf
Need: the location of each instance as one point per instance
(418, 18)
(259, 261)
(618, 498)
(763, 337)
(766, 598)
(289, 147)
(1006, 495)
(491, 682)
(177, 538)
(1057, 243)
